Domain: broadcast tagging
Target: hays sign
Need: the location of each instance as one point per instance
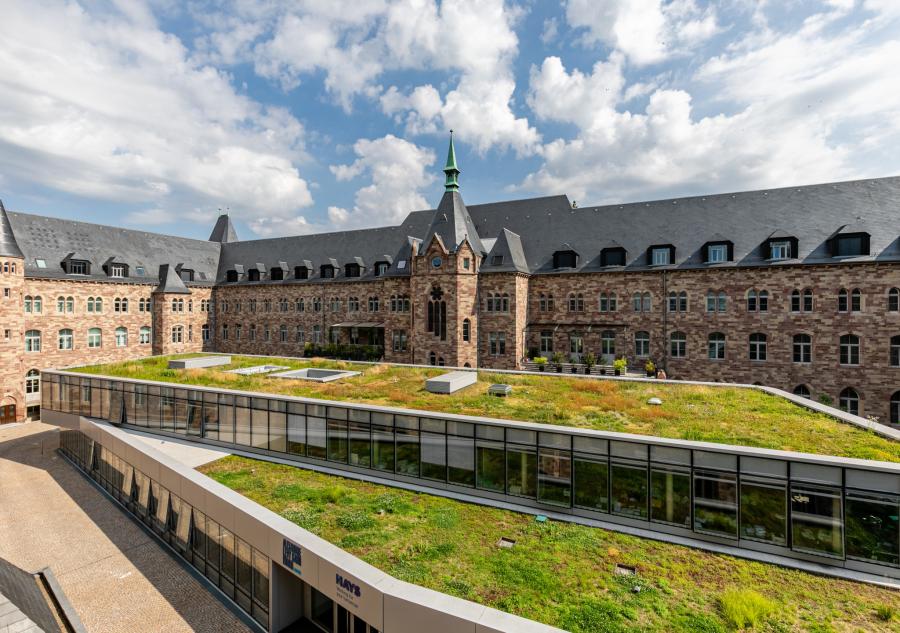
(347, 590)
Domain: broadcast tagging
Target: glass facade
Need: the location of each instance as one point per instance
(588, 475)
(227, 561)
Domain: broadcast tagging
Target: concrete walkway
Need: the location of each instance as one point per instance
(116, 576)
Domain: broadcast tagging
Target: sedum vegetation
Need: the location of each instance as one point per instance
(558, 573)
(725, 415)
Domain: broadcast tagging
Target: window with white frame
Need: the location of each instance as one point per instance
(717, 253)
(145, 333)
(661, 256)
(121, 337)
(716, 346)
(780, 250)
(33, 341)
(94, 337)
(177, 334)
(642, 344)
(65, 339)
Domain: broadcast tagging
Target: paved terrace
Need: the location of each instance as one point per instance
(116, 576)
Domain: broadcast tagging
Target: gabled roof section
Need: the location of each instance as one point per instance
(452, 222)
(9, 247)
(170, 282)
(508, 247)
(223, 231)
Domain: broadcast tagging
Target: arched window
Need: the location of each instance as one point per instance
(61, 304)
(145, 334)
(682, 301)
(178, 334)
(758, 346)
(807, 300)
(855, 300)
(613, 303)
(646, 302)
(895, 408)
(894, 300)
(642, 344)
(673, 301)
(763, 300)
(843, 300)
(802, 348)
(636, 302)
(504, 304)
(608, 343)
(752, 302)
(65, 339)
(467, 330)
(204, 333)
(678, 345)
(33, 381)
(796, 301)
(849, 401)
(29, 304)
(437, 314)
(802, 391)
(95, 337)
(678, 301)
(576, 302)
(283, 333)
(33, 341)
(432, 358)
(849, 349)
(716, 346)
(121, 337)
(895, 351)
(441, 362)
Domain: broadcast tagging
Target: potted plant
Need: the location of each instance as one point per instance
(557, 360)
(589, 361)
(620, 365)
(573, 360)
(650, 368)
(541, 362)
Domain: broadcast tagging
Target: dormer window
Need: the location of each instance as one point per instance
(78, 267)
(276, 274)
(718, 252)
(301, 272)
(661, 255)
(780, 250)
(565, 259)
(613, 256)
(231, 276)
(496, 260)
(253, 274)
(352, 270)
(326, 271)
(139, 271)
(381, 269)
(40, 263)
(186, 274)
(118, 270)
(780, 246)
(850, 245)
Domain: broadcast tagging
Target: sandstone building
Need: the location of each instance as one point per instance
(797, 288)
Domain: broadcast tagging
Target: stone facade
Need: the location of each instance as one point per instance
(12, 330)
(132, 323)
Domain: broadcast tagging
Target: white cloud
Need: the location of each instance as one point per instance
(646, 31)
(472, 42)
(111, 107)
(799, 106)
(399, 172)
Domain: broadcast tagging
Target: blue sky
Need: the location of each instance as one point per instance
(318, 115)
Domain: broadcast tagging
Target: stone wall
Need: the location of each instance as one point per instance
(190, 316)
(12, 322)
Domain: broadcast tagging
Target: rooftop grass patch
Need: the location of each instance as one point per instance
(725, 415)
(561, 574)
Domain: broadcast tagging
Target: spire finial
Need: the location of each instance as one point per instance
(450, 169)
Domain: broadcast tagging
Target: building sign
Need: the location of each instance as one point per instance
(292, 556)
(348, 591)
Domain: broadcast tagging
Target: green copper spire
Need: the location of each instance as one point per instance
(452, 171)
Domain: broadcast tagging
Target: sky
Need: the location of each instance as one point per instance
(305, 116)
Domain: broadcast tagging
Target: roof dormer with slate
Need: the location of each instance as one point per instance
(9, 247)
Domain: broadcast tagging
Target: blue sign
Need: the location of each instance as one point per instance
(292, 556)
(348, 585)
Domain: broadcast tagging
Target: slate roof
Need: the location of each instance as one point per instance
(170, 281)
(8, 245)
(53, 239)
(223, 231)
(23, 606)
(452, 222)
(812, 214)
(526, 232)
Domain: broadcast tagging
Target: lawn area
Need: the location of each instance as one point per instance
(558, 573)
(726, 415)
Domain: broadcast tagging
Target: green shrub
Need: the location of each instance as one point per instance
(885, 612)
(744, 608)
(621, 364)
(540, 360)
